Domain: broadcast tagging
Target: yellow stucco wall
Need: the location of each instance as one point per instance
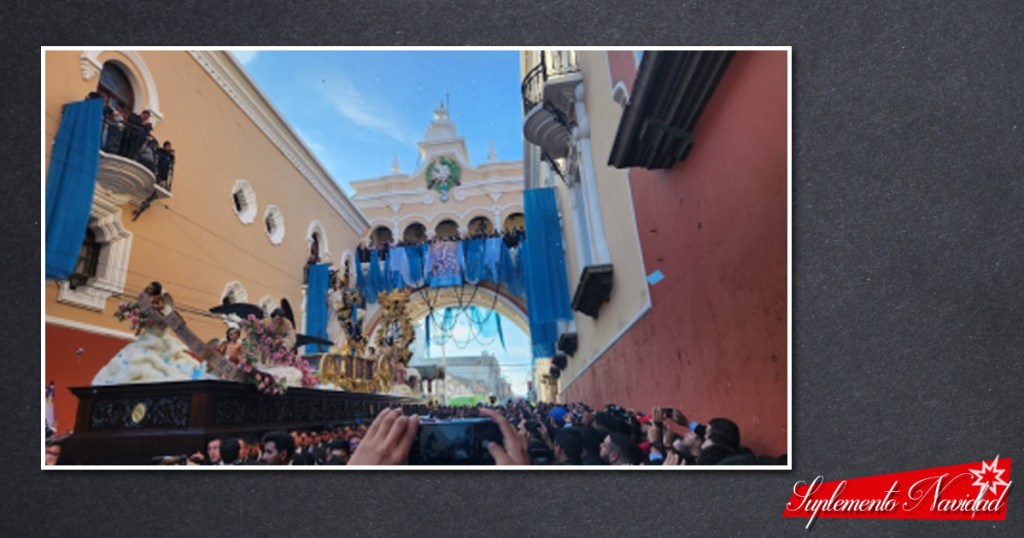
(193, 242)
(629, 294)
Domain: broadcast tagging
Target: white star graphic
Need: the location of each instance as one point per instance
(988, 485)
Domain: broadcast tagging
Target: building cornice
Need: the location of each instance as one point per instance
(235, 82)
(485, 186)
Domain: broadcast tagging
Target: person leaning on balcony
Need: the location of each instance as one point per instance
(136, 134)
(147, 154)
(164, 162)
(115, 129)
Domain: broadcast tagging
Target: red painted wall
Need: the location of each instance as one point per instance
(66, 370)
(714, 343)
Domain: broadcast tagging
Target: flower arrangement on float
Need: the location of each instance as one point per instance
(273, 368)
(138, 320)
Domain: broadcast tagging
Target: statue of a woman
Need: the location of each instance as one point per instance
(154, 355)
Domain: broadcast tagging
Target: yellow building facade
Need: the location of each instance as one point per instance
(594, 199)
(247, 202)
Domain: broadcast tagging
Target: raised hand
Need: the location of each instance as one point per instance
(388, 440)
(515, 450)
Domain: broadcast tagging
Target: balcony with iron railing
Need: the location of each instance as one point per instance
(548, 91)
(134, 168)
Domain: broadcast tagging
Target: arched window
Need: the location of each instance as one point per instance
(381, 235)
(480, 225)
(447, 228)
(115, 84)
(415, 233)
(515, 220)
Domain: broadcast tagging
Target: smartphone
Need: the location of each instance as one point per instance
(454, 442)
(666, 413)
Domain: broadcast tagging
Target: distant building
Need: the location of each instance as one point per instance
(474, 375)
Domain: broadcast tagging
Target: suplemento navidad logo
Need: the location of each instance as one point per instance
(971, 491)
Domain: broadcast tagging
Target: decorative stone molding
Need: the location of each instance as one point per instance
(274, 224)
(380, 200)
(115, 250)
(91, 66)
(128, 181)
(430, 222)
(249, 209)
(232, 78)
(236, 291)
(484, 186)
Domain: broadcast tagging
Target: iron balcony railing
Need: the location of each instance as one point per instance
(552, 64)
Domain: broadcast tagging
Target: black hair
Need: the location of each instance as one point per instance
(592, 440)
(623, 445)
(725, 432)
(282, 441)
(229, 450)
(571, 443)
(338, 444)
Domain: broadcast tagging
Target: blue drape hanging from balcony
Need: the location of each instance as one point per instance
(473, 270)
(492, 258)
(361, 280)
(511, 272)
(415, 254)
(375, 282)
(70, 184)
(316, 305)
(543, 268)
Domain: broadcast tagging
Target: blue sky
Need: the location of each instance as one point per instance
(357, 109)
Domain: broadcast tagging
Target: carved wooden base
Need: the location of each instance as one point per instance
(132, 424)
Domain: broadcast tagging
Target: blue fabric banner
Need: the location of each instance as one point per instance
(416, 254)
(474, 261)
(511, 272)
(545, 279)
(316, 306)
(375, 282)
(70, 184)
(443, 266)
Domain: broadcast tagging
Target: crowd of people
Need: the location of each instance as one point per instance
(512, 237)
(128, 134)
(531, 434)
(326, 445)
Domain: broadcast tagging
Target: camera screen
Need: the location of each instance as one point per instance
(454, 442)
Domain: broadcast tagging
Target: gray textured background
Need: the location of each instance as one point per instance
(908, 214)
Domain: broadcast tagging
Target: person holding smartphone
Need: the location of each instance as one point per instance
(389, 440)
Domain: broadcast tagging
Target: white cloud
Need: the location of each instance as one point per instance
(353, 106)
(245, 57)
(317, 147)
